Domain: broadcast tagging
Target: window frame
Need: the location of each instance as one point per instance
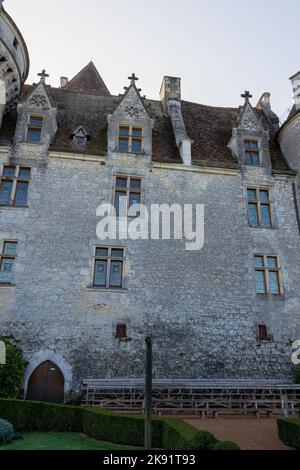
(34, 127)
(119, 326)
(258, 203)
(127, 191)
(130, 138)
(252, 140)
(15, 179)
(109, 259)
(266, 270)
(4, 256)
(261, 337)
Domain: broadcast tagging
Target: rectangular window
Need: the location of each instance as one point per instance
(7, 261)
(263, 333)
(34, 130)
(130, 139)
(108, 267)
(252, 153)
(121, 331)
(14, 184)
(267, 275)
(259, 208)
(129, 187)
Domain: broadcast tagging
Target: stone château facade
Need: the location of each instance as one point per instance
(230, 310)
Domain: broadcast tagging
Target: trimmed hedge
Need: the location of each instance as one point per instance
(169, 434)
(289, 432)
(226, 445)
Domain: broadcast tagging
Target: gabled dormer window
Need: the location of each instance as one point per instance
(130, 139)
(34, 129)
(79, 138)
(252, 153)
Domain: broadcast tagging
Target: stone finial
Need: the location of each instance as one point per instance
(247, 95)
(43, 75)
(133, 79)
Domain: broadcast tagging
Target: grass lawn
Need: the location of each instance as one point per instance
(60, 441)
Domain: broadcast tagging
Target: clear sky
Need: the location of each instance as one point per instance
(218, 47)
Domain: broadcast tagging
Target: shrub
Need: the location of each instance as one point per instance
(226, 445)
(7, 432)
(12, 373)
(171, 434)
(289, 432)
(203, 440)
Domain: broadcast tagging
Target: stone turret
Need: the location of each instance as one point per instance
(14, 62)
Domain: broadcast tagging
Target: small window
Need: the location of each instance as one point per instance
(7, 261)
(14, 184)
(252, 153)
(129, 187)
(130, 139)
(80, 138)
(263, 333)
(267, 274)
(259, 208)
(121, 331)
(108, 267)
(34, 130)
(15, 43)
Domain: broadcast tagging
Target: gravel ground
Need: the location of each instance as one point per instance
(249, 434)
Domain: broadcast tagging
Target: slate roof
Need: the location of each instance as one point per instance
(209, 127)
(88, 80)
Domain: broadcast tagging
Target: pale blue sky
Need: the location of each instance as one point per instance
(218, 47)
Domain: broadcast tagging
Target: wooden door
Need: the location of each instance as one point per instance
(46, 384)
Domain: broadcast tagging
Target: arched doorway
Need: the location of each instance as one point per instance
(46, 383)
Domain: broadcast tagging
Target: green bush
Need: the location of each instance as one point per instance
(203, 440)
(226, 445)
(171, 434)
(289, 432)
(7, 432)
(12, 373)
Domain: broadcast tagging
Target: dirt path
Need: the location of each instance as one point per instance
(249, 434)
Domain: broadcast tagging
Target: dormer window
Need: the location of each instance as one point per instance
(130, 139)
(34, 130)
(79, 139)
(252, 154)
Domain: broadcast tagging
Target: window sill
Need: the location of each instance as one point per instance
(10, 207)
(120, 290)
(129, 154)
(262, 228)
(6, 284)
(275, 297)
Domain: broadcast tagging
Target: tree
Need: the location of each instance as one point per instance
(12, 372)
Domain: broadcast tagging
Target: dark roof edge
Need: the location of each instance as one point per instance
(287, 121)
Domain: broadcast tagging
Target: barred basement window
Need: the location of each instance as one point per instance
(34, 130)
(7, 261)
(130, 139)
(121, 331)
(259, 208)
(263, 333)
(267, 274)
(14, 184)
(129, 187)
(108, 267)
(252, 154)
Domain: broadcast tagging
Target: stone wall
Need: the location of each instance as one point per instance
(200, 307)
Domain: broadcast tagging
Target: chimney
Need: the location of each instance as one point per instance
(170, 90)
(265, 102)
(170, 95)
(63, 81)
(295, 79)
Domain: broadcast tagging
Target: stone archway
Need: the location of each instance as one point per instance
(46, 383)
(58, 362)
